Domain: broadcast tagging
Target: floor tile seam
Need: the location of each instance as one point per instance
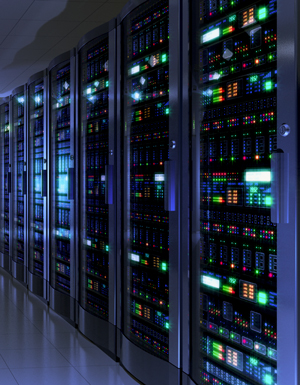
(40, 367)
(9, 369)
(81, 375)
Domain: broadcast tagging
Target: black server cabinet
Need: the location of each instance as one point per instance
(5, 187)
(62, 82)
(149, 47)
(18, 224)
(244, 218)
(97, 175)
(37, 185)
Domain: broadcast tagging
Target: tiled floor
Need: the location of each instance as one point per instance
(39, 347)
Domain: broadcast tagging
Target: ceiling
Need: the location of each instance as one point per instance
(33, 32)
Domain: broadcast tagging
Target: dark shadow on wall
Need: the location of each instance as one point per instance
(22, 59)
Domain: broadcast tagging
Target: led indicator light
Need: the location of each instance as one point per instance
(262, 13)
(268, 85)
(262, 298)
(268, 379)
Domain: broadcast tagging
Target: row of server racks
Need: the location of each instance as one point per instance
(149, 190)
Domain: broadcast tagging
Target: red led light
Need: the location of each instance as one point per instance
(256, 157)
(244, 268)
(270, 275)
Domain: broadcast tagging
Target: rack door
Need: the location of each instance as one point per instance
(62, 278)
(150, 167)
(37, 187)
(19, 179)
(234, 262)
(97, 206)
(5, 182)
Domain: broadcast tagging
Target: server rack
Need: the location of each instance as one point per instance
(97, 187)
(148, 37)
(62, 219)
(5, 189)
(18, 224)
(245, 184)
(38, 271)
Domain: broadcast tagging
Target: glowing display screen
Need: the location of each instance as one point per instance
(211, 35)
(258, 176)
(211, 282)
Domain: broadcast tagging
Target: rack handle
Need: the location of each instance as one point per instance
(169, 185)
(8, 179)
(109, 187)
(24, 183)
(43, 183)
(71, 175)
(280, 187)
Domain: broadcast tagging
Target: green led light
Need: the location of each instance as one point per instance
(106, 84)
(253, 361)
(232, 158)
(227, 289)
(221, 159)
(232, 280)
(268, 85)
(262, 13)
(167, 111)
(106, 248)
(167, 325)
(164, 266)
(268, 201)
(210, 260)
(253, 78)
(268, 379)
(256, 271)
(262, 298)
(232, 18)
(164, 58)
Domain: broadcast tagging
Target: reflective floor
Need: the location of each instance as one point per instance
(39, 347)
